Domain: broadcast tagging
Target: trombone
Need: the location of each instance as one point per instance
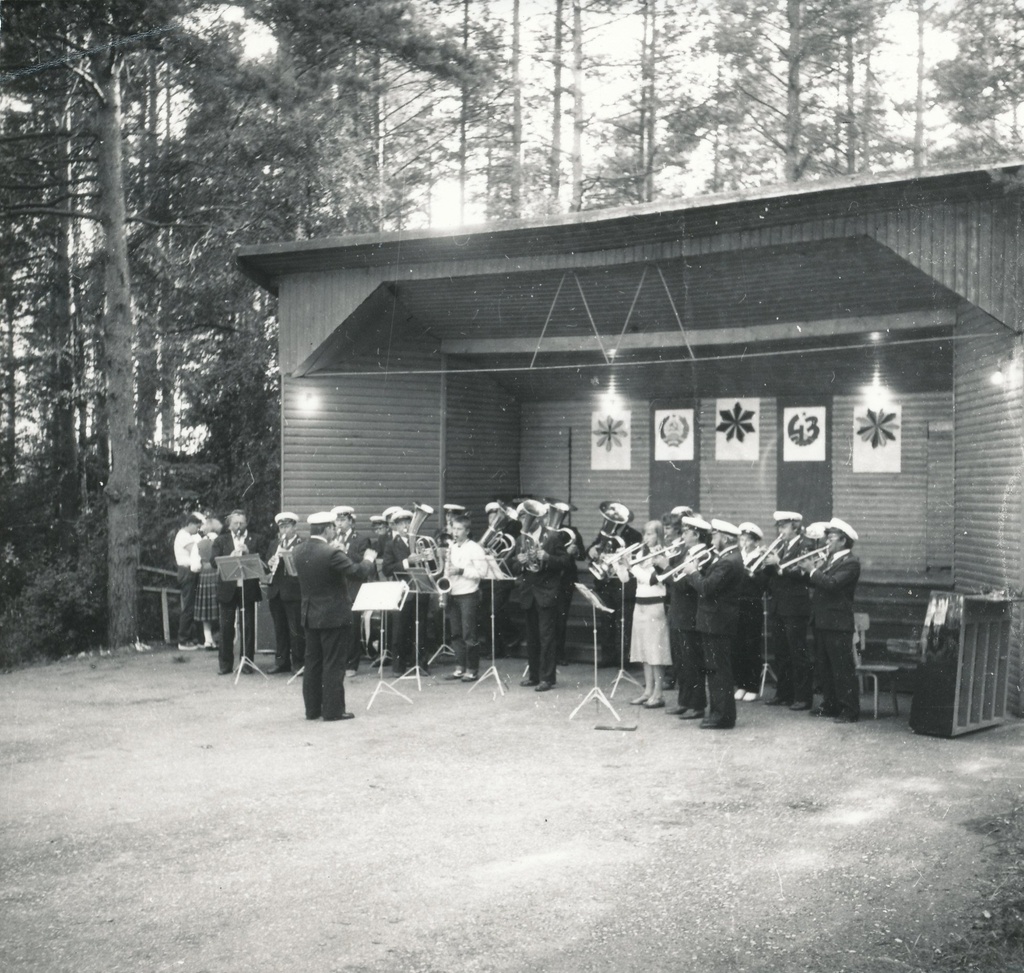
(698, 559)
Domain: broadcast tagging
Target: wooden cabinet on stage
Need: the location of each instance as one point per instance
(962, 682)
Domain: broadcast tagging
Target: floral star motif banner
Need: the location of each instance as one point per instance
(877, 439)
(737, 430)
(804, 428)
(673, 434)
(610, 439)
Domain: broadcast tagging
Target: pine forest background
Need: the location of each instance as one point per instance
(142, 142)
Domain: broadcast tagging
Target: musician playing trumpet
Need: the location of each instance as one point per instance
(649, 643)
(746, 659)
(691, 693)
(616, 626)
(789, 609)
(717, 586)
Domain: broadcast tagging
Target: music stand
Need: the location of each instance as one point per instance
(382, 596)
(444, 648)
(244, 567)
(496, 571)
(765, 667)
(420, 582)
(595, 694)
(622, 643)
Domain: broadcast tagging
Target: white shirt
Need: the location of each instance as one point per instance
(184, 541)
(472, 559)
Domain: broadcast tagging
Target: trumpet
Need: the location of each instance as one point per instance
(668, 550)
(698, 559)
(818, 552)
(770, 549)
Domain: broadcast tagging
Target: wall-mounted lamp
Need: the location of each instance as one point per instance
(1003, 371)
(308, 403)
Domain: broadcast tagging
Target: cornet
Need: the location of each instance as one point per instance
(667, 551)
(818, 552)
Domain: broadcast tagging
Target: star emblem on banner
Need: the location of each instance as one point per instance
(735, 423)
(878, 428)
(610, 433)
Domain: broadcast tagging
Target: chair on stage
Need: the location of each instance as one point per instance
(871, 670)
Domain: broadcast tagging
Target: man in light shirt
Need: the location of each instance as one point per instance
(465, 566)
(184, 541)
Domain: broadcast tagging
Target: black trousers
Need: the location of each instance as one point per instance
(289, 637)
(837, 672)
(463, 617)
(746, 656)
(690, 690)
(542, 643)
(716, 652)
(188, 582)
(227, 629)
(323, 682)
(565, 594)
(794, 669)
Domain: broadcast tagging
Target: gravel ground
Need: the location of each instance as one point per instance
(155, 816)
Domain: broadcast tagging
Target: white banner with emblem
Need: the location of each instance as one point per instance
(878, 439)
(804, 430)
(673, 435)
(737, 430)
(610, 439)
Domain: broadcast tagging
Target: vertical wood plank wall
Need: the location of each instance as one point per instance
(988, 466)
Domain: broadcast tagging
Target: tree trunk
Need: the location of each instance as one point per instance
(577, 110)
(851, 106)
(122, 489)
(648, 98)
(516, 172)
(555, 159)
(920, 154)
(793, 166)
(464, 122)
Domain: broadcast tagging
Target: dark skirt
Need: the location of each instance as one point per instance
(206, 595)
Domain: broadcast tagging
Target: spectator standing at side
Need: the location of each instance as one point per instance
(206, 611)
(184, 541)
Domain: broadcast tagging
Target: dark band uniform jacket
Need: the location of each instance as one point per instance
(832, 591)
(682, 597)
(541, 587)
(224, 546)
(718, 584)
(283, 585)
(396, 551)
(323, 571)
(787, 588)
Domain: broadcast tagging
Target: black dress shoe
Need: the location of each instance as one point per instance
(822, 711)
(225, 672)
(799, 707)
(344, 716)
(845, 718)
(776, 701)
(692, 714)
(527, 682)
(675, 711)
(716, 725)
(544, 687)
(277, 670)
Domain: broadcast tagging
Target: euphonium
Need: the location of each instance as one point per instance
(428, 552)
(531, 513)
(494, 539)
(557, 512)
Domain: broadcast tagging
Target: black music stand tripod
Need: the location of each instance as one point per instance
(233, 567)
(420, 582)
(382, 596)
(766, 669)
(496, 571)
(595, 694)
(622, 644)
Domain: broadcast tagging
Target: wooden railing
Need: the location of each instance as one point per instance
(164, 595)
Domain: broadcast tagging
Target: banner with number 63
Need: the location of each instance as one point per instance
(804, 430)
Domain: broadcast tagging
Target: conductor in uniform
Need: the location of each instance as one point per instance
(327, 618)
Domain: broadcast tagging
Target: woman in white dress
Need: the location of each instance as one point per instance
(650, 643)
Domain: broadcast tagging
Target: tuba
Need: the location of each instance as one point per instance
(428, 552)
(531, 513)
(555, 517)
(616, 515)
